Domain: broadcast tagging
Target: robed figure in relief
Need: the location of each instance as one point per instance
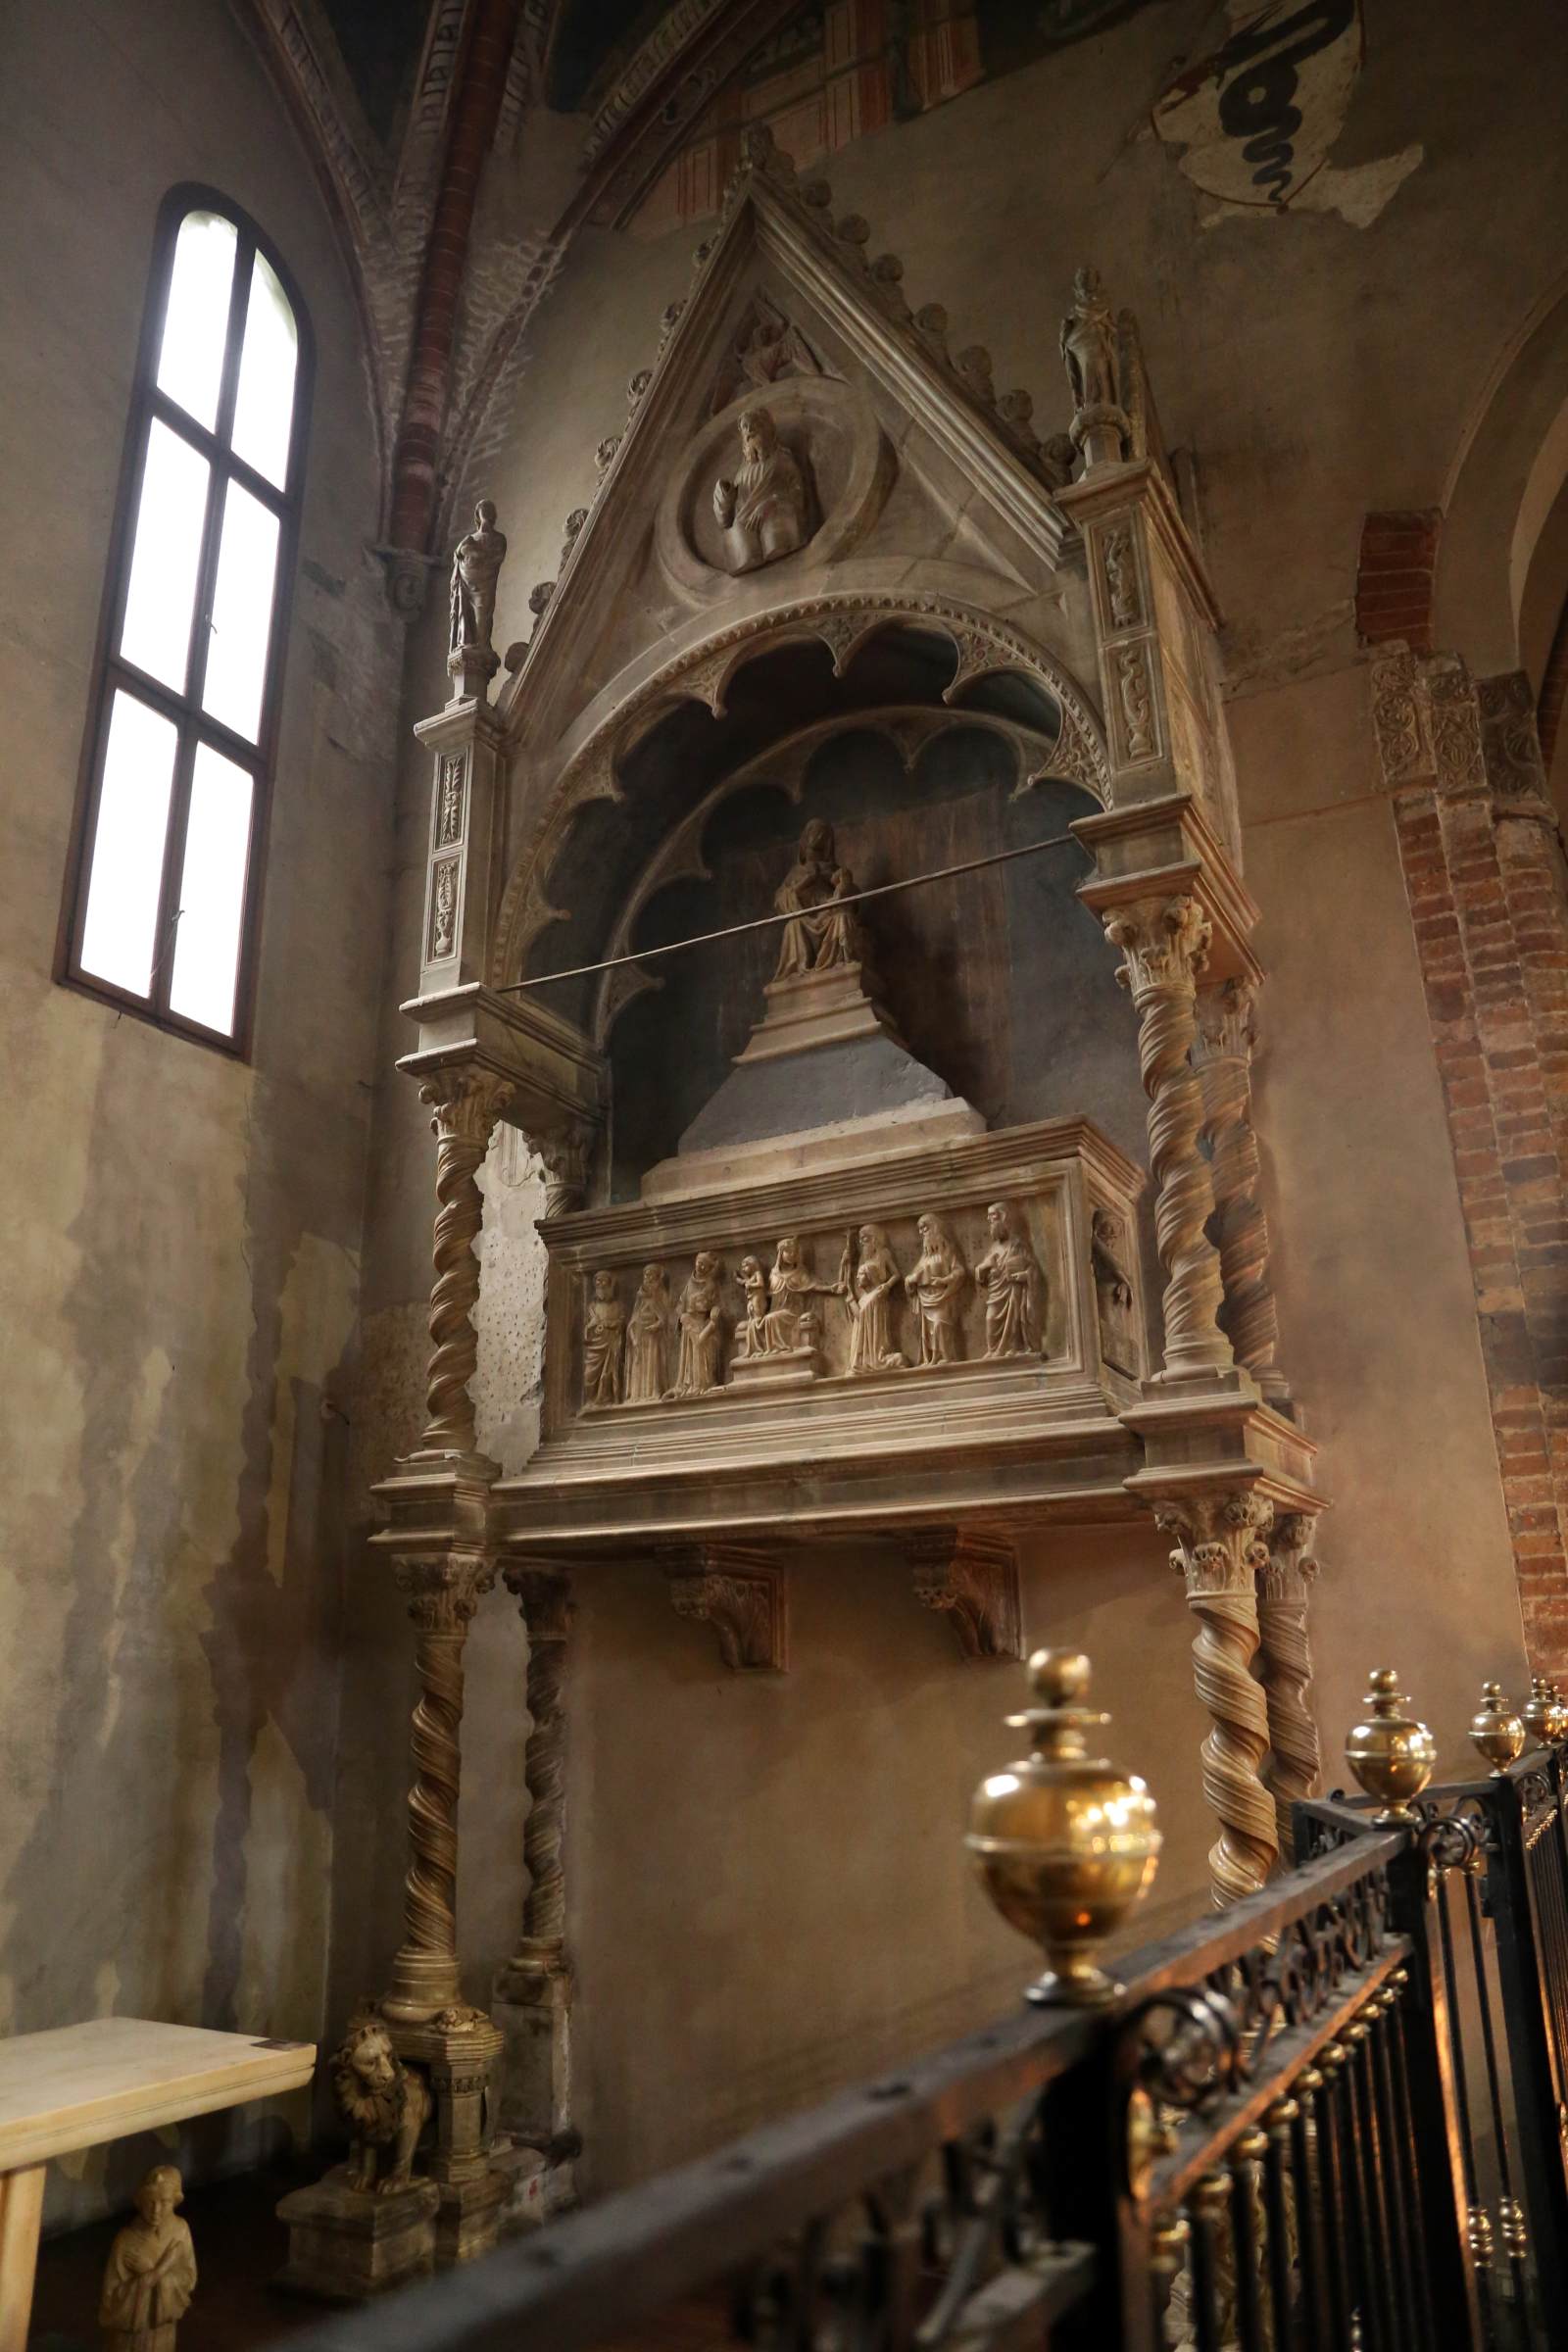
(870, 1303)
(791, 1320)
(935, 1282)
(647, 1333)
(1012, 1283)
(476, 563)
(763, 512)
(700, 1317)
(603, 1334)
(822, 930)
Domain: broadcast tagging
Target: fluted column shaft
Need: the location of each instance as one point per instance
(1219, 1552)
(443, 1595)
(464, 1112)
(1164, 944)
(1285, 1662)
(1226, 1038)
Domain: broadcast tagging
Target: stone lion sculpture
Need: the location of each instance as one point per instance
(384, 2103)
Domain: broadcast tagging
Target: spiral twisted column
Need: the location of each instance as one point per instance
(1226, 1038)
(464, 1109)
(443, 1595)
(1164, 945)
(1285, 1662)
(545, 1599)
(1219, 1550)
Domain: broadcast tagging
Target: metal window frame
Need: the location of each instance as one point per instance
(112, 672)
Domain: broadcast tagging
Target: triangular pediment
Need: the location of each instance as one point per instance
(871, 457)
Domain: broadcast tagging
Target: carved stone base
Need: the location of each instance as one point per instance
(818, 1008)
(467, 2220)
(741, 1592)
(533, 2010)
(784, 1368)
(347, 2244)
(460, 2053)
(972, 1576)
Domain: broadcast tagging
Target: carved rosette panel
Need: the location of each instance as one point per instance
(1164, 945)
(464, 1109)
(1510, 745)
(1250, 1316)
(544, 1597)
(1220, 1548)
(741, 1592)
(1284, 1586)
(971, 1577)
(443, 1594)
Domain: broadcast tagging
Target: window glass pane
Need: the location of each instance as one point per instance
(128, 850)
(242, 614)
(165, 556)
(264, 410)
(190, 358)
(212, 892)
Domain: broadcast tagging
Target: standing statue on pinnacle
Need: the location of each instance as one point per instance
(477, 562)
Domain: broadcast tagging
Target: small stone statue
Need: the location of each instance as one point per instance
(646, 1338)
(790, 1321)
(476, 563)
(603, 1332)
(700, 1317)
(821, 931)
(1113, 1293)
(1011, 1280)
(752, 1338)
(936, 1282)
(151, 2273)
(384, 2103)
(764, 512)
(874, 1279)
(1089, 350)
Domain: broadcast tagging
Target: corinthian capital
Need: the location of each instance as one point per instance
(465, 1104)
(1290, 1567)
(1164, 944)
(1220, 1538)
(1225, 1023)
(443, 1589)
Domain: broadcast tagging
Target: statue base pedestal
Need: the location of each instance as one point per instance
(467, 2218)
(347, 2244)
(784, 1368)
(825, 1008)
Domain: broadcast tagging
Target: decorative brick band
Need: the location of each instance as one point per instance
(1484, 877)
(1393, 577)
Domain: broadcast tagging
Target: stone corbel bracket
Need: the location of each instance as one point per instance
(742, 1592)
(971, 1576)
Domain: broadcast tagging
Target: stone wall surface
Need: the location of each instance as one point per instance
(1281, 354)
(179, 1293)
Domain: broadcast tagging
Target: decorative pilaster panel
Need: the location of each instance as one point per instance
(970, 1575)
(1250, 1318)
(1284, 1664)
(742, 1592)
(464, 743)
(443, 1594)
(464, 1109)
(1220, 1548)
(1164, 945)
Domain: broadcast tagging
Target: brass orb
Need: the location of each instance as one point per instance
(1393, 1755)
(1539, 1713)
(1065, 1843)
(1497, 1731)
(1557, 1715)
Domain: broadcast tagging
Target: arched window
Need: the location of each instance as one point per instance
(166, 877)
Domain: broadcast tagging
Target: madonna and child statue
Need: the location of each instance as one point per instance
(820, 930)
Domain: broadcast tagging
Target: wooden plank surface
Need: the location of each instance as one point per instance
(77, 2085)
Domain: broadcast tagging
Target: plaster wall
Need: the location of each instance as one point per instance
(179, 1285)
(766, 1892)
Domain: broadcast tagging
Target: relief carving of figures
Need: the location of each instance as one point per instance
(646, 1338)
(791, 1319)
(603, 1332)
(1114, 1293)
(935, 1282)
(821, 932)
(763, 512)
(701, 1320)
(752, 1338)
(1010, 1277)
(870, 1293)
(768, 350)
(476, 563)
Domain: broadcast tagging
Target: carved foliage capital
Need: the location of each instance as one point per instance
(972, 1578)
(1164, 944)
(444, 1589)
(566, 1155)
(1226, 1022)
(1290, 1568)
(465, 1105)
(544, 1597)
(741, 1594)
(1220, 1539)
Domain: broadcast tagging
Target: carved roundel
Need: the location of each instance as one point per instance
(783, 480)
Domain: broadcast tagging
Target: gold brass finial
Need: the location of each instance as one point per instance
(1538, 1712)
(1556, 1713)
(1065, 1843)
(1391, 1755)
(1496, 1730)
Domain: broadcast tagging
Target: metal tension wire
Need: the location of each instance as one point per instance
(767, 922)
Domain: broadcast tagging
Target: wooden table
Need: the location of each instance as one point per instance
(81, 2085)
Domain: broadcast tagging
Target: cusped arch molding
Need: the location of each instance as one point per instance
(984, 649)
